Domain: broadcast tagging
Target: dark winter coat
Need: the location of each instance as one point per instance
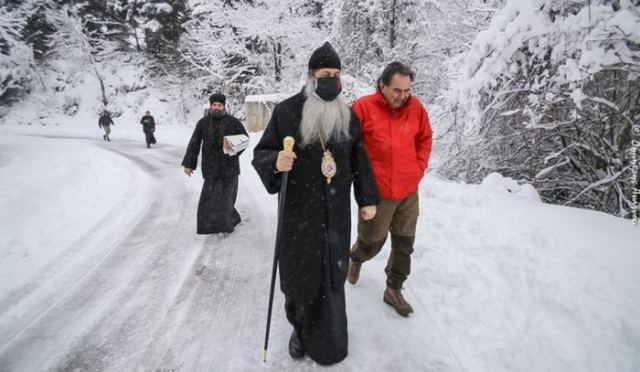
(317, 215)
(209, 134)
(148, 124)
(105, 120)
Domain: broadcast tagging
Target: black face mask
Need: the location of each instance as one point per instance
(328, 88)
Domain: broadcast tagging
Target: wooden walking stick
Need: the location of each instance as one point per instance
(287, 143)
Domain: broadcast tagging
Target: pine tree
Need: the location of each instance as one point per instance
(16, 56)
(163, 24)
(37, 30)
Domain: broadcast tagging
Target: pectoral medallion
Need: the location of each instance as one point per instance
(328, 166)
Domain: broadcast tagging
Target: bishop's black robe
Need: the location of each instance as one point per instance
(316, 227)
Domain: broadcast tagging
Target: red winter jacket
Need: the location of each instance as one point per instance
(398, 142)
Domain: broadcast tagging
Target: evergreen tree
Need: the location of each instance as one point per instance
(163, 24)
(127, 14)
(16, 56)
(37, 30)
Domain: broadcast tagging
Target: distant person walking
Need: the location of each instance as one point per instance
(148, 127)
(220, 168)
(105, 123)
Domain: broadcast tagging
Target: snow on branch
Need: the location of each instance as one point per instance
(546, 79)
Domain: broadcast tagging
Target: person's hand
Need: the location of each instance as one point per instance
(284, 163)
(226, 145)
(368, 212)
(188, 171)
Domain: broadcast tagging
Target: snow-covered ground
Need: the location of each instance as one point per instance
(101, 269)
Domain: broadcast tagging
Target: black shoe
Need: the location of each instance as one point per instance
(104, 137)
(108, 139)
(296, 349)
(148, 146)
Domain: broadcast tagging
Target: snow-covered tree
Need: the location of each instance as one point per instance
(126, 14)
(16, 56)
(244, 47)
(37, 30)
(360, 32)
(548, 95)
(163, 25)
(424, 34)
(76, 39)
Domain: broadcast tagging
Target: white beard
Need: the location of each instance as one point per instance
(323, 120)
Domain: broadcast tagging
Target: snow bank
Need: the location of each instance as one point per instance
(506, 185)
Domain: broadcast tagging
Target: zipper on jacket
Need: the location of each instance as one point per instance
(392, 158)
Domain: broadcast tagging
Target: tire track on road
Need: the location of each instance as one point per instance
(84, 325)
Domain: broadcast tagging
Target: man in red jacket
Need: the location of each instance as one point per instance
(397, 136)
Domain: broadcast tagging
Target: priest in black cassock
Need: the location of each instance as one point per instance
(327, 159)
(216, 210)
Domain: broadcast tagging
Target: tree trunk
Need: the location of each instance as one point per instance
(392, 21)
(102, 89)
(277, 60)
(135, 36)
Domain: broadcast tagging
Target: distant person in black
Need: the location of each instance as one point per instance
(216, 211)
(148, 127)
(105, 123)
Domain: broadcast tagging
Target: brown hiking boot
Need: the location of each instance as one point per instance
(354, 271)
(394, 298)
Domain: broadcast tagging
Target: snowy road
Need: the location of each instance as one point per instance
(101, 270)
(128, 285)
